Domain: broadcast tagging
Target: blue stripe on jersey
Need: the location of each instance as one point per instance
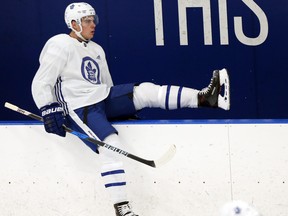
(116, 184)
(167, 97)
(179, 97)
(59, 95)
(113, 172)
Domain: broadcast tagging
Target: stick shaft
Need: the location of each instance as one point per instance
(84, 137)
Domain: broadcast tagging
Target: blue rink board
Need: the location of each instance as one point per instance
(187, 121)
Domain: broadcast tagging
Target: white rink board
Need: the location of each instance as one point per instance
(43, 174)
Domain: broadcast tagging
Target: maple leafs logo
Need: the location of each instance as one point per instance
(91, 72)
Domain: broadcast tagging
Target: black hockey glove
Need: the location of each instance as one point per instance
(53, 118)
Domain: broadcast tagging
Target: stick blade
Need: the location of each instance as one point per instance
(166, 157)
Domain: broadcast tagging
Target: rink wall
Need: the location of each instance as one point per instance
(216, 161)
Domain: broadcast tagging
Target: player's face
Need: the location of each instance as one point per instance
(88, 27)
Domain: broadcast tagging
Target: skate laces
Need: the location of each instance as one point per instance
(211, 85)
(208, 88)
(125, 210)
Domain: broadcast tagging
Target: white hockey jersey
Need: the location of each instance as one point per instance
(73, 73)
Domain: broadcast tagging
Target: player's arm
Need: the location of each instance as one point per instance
(52, 61)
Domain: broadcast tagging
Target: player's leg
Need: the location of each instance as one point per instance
(174, 97)
(113, 174)
(92, 121)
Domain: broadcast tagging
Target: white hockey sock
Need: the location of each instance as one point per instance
(112, 171)
(166, 97)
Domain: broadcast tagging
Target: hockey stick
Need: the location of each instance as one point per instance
(153, 163)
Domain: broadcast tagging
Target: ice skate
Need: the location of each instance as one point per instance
(211, 95)
(124, 209)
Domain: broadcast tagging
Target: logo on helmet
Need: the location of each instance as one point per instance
(90, 70)
(76, 11)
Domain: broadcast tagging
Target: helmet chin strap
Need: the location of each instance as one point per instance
(78, 33)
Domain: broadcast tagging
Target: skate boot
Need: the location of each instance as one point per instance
(123, 209)
(210, 96)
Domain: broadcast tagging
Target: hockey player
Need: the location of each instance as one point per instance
(73, 86)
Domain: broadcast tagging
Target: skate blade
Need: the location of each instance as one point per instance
(224, 101)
